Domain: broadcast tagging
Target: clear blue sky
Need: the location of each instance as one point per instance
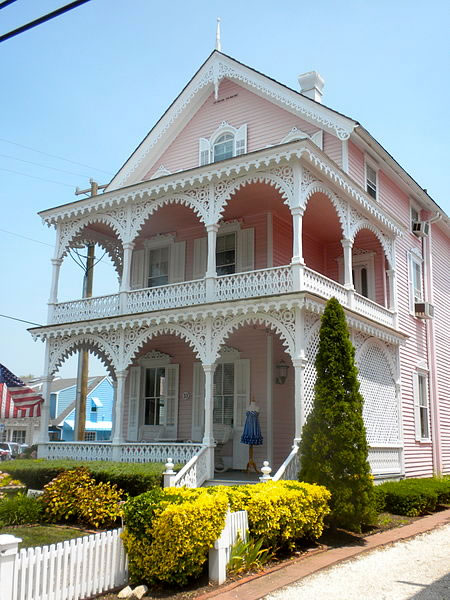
(90, 84)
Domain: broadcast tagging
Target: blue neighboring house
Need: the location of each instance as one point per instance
(99, 405)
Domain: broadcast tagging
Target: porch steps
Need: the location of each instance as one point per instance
(233, 478)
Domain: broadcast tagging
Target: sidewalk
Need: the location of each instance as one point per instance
(258, 586)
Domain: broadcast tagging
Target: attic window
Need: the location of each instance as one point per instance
(227, 141)
(371, 181)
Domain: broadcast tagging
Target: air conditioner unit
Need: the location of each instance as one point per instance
(421, 228)
(424, 310)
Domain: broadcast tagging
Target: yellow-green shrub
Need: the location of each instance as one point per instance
(75, 496)
(173, 544)
(280, 512)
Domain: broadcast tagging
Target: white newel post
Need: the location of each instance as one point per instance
(208, 437)
(117, 435)
(56, 267)
(8, 550)
(126, 274)
(211, 271)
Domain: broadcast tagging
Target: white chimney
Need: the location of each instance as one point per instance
(311, 85)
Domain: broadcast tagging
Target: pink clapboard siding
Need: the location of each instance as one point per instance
(333, 147)
(267, 124)
(356, 164)
(441, 300)
(391, 197)
(282, 241)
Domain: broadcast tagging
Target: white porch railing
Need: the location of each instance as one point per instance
(187, 293)
(134, 452)
(290, 467)
(75, 570)
(194, 473)
(251, 284)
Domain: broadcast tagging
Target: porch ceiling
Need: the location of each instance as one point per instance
(256, 198)
(320, 220)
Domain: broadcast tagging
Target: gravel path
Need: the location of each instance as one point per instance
(416, 569)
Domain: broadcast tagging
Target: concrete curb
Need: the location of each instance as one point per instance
(259, 585)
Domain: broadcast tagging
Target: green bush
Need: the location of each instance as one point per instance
(20, 510)
(379, 498)
(75, 496)
(414, 497)
(133, 478)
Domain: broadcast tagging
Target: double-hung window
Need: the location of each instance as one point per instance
(223, 147)
(226, 254)
(227, 141)
(371, 181)
(421, 406)
(154, 405)
(158, 267)
(415, 280)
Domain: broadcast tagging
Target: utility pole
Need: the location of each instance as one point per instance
(83, 357)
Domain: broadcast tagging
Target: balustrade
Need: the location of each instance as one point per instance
(250, 284)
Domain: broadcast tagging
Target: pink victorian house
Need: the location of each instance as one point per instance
(245, 208)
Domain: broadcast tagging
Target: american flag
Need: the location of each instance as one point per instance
(16, 398)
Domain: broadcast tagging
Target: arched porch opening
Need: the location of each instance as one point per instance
(369, 267)
(167, 247)
(255, 230)
(246, 371)
(71, 266)
(322, 235)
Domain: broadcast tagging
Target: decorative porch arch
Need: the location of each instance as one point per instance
(137, 341)
(196, 200)
(371, 342)
(280, 178)
(73, 229)
(282, 323)
(386, 243)
(61, 350)
(339, 206)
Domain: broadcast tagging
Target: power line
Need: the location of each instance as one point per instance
(31, 162)
(5, 3)
(26, 238)
(43, 19)
(54, 156)
(36, 177)
(21, 320)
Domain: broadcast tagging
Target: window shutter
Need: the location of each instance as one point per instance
(177, 262)
(416, 406)
(200, 257)
(240, 140)
(137, 270)
(171, 400)
(204, 152)
(242, 391)
(198, 403)
(134, 402)
(246, 250)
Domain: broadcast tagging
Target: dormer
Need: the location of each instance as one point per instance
(225, 142)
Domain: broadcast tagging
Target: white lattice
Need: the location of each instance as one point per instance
(380, 402)
(167, 296)
(277, 280)
(310, 370)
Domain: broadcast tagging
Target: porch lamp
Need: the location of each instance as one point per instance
(281, 372)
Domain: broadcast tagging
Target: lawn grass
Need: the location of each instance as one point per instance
(42, 535)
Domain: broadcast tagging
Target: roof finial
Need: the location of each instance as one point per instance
(218, 44)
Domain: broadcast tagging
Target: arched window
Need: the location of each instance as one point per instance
(223, 147)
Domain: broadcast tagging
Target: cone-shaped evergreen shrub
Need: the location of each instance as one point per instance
(334, 447)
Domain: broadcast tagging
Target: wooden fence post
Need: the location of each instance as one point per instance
(8, 550)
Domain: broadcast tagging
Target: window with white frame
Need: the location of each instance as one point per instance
(415, 216)
(227, 141)
(421, 406)
(363, 272)
(415, 279)
(226, 254)
(154, 401)
(18, 436)
(161, 261)
(90, 436)
(158, 266)
(371, 180)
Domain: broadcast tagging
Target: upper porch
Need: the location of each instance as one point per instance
(274, 222)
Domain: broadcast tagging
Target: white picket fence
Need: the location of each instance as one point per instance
(71, 570)
(236, 524)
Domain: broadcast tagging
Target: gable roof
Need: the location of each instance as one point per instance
(207, 79)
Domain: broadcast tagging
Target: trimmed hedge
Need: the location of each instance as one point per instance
(412, 497)
(20, 510)
(133, 478)
(168, 532)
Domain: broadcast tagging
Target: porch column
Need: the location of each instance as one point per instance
(299, 394)
(45, 410)
(211, 271)
(117, 434)
(208, 437)
(126, 273)
(347, 245)
(391, 275)
(56, 266)
(297, 242)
